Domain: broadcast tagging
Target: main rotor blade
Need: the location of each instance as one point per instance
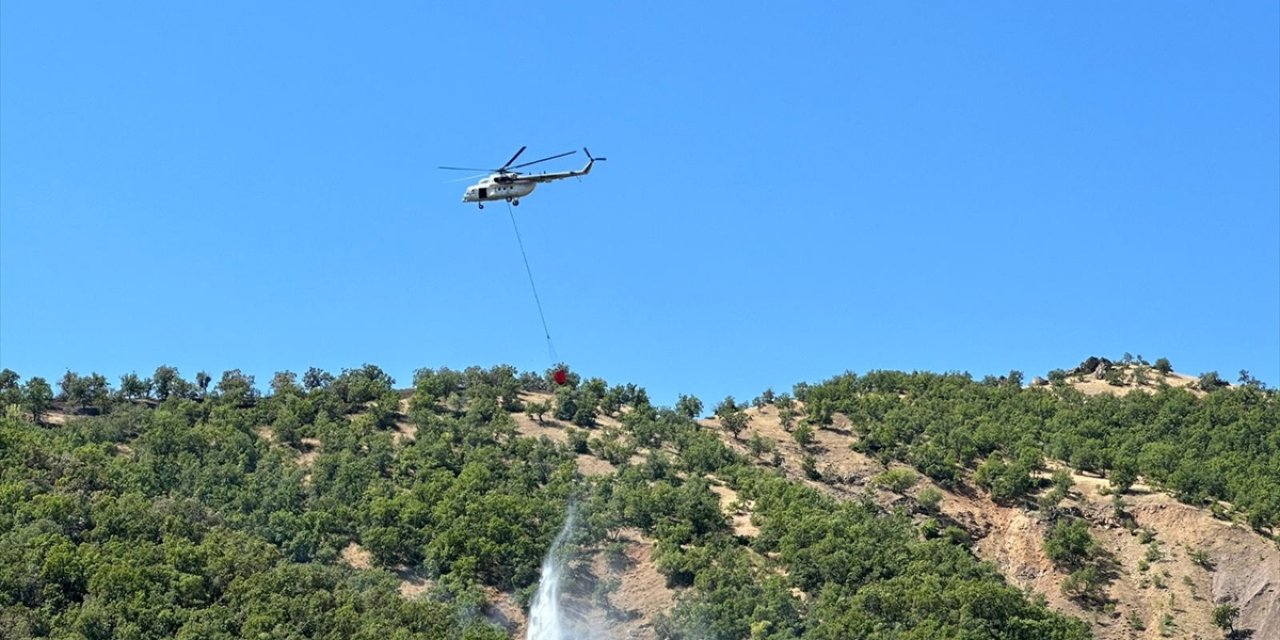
(560, 155)
(478, 175)
(513, 158)
(464, 169)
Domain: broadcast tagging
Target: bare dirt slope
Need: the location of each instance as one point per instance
(1158, 590)
(1172, 597)
(620, 591)
(1093, 385)
(614, 586)
(635, 593)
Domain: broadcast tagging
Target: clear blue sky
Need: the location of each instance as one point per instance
(793, 189)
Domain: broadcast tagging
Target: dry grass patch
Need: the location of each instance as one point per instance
(357, 557)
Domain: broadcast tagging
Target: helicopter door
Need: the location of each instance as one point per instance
(484, 193)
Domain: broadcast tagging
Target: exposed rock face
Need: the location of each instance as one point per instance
(1249, 577)
(1093, 365)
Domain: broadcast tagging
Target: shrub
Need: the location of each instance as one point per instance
(578, 439)
(1069, 543)
(1201, 558)
(1210, 380)
(810, 467)
(899, 480)
(1224, 617)
(1085, 584)
(929, 498)
(803, 435)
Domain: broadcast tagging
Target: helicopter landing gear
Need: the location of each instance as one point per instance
(515, 202)
(482, 207)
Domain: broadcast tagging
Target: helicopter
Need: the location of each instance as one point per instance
(504, 183)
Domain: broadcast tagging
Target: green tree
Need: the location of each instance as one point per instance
(566, 403)
(801, 391)
(809, 465)
(1085, 584)
(202, 382)
(731, 416)
(763, 400)
(734, 422)
(1087, 456)
(1068, 543)
(1224, 617)
(285, 383)
(98, 390)
(74, 389)
(536, 410)
(10, 389)
(132, 387)
(613, 400)
(366, 384)
(1210, 381)
(803, 435)
(1247, 380)
(1162, 365)
(167, 382)
(758, 445)
(585, 416)
(1119, 509)
(727, 406)
(237, 388)
(786, 410)
(37, 398)
(1123, 474)
(1062, 482)
(85, 391)
(316, 378)
(1006, 481)
(578, 440)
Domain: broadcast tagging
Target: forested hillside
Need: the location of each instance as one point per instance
(1219, 444)
(183, 520)
(166, 508)
(1115, 550)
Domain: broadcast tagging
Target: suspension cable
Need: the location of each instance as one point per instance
(551, 350)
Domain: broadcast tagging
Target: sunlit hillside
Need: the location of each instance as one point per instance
(1113, 500)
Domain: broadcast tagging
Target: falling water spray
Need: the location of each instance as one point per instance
(546, 616)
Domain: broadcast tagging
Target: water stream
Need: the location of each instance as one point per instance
(546, 616)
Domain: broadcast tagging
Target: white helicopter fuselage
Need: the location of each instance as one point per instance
(512, 186)
(489, 189)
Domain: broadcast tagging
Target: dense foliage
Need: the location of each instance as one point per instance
(832, 570)
(207, 509)
(1223, 444)
(185, 520)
